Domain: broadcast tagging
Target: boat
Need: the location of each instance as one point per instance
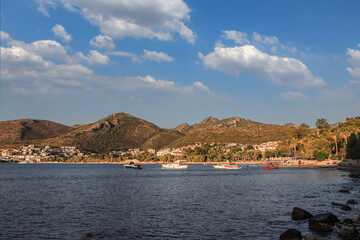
(227, 166)
(174, 165)
(132, 165)
(270, 167)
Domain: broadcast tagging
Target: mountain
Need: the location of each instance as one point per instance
(232, 130)
(122, 131)
(118, 131)
(212, 122)
(30, 129)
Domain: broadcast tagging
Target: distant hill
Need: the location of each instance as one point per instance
(122, 131)
(118, 131)
(232, 130)
(212, 122)
(30, 129)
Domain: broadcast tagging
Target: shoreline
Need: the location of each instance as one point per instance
(257, 163)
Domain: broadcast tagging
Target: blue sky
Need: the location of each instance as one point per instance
(169, 62)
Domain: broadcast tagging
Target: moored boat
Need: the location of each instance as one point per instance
(174, 165)
(132, 165)
(227, 166)
(270, 167)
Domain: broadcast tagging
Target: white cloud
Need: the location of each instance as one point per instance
(238, 37)
(354, 60)
(294, 96)
(156, 56)
(147, 55)
(102, 42)
(25, 71)
(94, 57)
(60, 32)
(43, 5)
(136, 18)
(249, 59)
(265, 39)
(5, 36)
(50, 49)
(201, 86)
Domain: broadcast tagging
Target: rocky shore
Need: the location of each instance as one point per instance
(327, 225)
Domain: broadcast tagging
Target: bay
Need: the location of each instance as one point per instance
(83, 201)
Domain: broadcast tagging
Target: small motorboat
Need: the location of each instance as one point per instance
(132, 165)
(227, 166)
(174, 165)
(270, 167)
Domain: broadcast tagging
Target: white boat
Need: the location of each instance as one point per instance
(174, 165)
(132, 165)
(227, 166)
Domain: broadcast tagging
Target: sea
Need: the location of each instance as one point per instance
(105, 201)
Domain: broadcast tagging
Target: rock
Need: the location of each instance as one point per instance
(344, 207)
(344, 191)
(323, 222)
(300, 214)
(291, 234)
(309, 237)
(351, 201)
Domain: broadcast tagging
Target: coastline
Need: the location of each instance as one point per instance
(324, 164)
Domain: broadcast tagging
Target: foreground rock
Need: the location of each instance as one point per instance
(349, 229)
(300, 214)
(344, 207)
(291, 234)
(323, 222)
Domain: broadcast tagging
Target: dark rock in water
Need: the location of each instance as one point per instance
(344, 207)
(351, 201)
(300, 214)
(309, 237)
(89, 235)
(347, 229)
(354, 175)
(291, 234)
(323, 222)
(344, 191)
(337, 204)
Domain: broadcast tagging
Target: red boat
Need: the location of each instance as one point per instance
(270, 167)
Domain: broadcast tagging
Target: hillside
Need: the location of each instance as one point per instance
(30, 129)
(118, 131)
(235, 131)
(212, 122)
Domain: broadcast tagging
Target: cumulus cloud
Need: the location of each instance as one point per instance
(238, 37)
(294, 96)
(52, 50)
(150, 19)
(60, 32)
(102, 42)
(26, 71)
(265, 39)
(248, 59)
(156, 56)
(354, 60)
(23, 69)
(147, 55)
(43, 5)
(5, 36)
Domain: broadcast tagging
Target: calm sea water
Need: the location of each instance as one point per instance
(107, 201)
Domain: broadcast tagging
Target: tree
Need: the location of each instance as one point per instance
(322, 125)
(305, 126)
(353, 146)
